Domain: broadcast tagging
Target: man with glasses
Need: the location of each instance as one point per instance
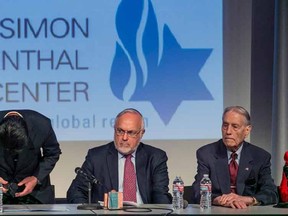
(111, 163)
(29, 151)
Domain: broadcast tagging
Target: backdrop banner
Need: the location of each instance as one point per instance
(82, 62)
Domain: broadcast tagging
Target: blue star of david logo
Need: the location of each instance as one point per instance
(170, 79)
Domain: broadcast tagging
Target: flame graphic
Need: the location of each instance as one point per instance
(171, 78)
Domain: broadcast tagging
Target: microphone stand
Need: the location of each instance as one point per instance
(89, 206)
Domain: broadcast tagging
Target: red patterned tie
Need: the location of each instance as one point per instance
(129, 186)
(233, 168)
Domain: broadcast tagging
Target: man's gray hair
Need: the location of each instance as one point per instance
(131, 110)
(240, 110)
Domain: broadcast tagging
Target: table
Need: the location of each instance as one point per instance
(156, 209)
(48, 209)
(251, 210)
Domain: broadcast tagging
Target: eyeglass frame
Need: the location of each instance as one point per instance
(130, 133)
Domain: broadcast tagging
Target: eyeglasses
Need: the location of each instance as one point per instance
(131, 133)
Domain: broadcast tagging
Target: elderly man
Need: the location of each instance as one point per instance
(240, 172)
(110, 164)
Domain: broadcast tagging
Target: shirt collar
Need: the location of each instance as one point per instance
(123, 156)
(238, 152)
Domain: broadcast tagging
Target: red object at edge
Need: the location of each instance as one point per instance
(283, 188)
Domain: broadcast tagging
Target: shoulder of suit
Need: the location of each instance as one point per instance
(150, 149)
(33, 114)
(36, 122)
(28, 115)
(103, 148)
(211, 146)
(255, 149)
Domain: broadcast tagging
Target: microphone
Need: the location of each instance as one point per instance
(91, 178)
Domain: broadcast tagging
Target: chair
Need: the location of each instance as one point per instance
(188, 194)
(58, 200)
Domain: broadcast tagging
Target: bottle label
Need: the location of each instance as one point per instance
(178, 187)
(206, 187)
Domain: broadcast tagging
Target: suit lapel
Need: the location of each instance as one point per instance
(141, 165)
(245, 168)
(222, 171)
(112, 163)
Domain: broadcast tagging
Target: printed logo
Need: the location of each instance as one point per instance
(149, 67)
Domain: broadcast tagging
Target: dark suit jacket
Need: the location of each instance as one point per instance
(102, 162)
(31, 161)
(253, 178)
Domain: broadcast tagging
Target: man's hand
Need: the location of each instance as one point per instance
(233, 200)
(3, 182)
(29, 182)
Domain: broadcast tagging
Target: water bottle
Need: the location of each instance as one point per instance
(178, 192)
(1, 198)
(205, 192)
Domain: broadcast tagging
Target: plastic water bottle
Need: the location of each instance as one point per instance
(205, 192)
(178, 192)
(1, 198)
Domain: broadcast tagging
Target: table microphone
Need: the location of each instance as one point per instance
(91, 180)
